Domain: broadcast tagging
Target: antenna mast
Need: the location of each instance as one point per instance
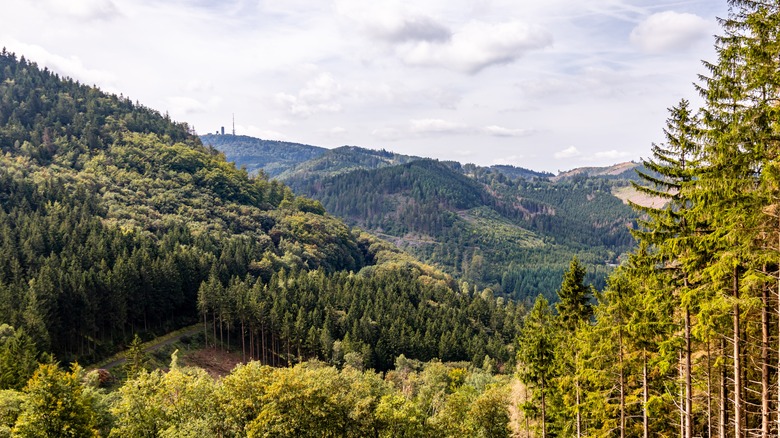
(234, 124)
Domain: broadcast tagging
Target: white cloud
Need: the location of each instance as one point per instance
(500, 131)
(82, 9)
(476, 46)
(319, 95)
(182, 106)
(390, 22)
(386, 133)
(569, 152)
(196, 85)
(669, 31)
(66, 66)
(512, 160)
(435, 126)
(337, 131)
(611, 154)
(265, 134)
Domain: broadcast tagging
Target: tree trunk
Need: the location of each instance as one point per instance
(765, 415)
(681, 378)
(525, 414)
(622, 424)
(688, 371)
(579, 415)
(737, 362)
(577, 395)
(645, 419)
(724, 392)
(243, 342)
(709, 390)
(544, 413)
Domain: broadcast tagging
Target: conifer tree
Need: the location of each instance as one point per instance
(668, 230)
(536, 355)
(574, 305)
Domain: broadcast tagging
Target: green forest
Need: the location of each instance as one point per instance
(506, 228)
(117, 224)
(684, 339)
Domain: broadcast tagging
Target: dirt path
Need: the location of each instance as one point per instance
(153, 345)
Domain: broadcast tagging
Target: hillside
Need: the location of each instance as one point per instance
(503, 227)
(342, 160)
(254, 154)
(625, 170)
(116, 220)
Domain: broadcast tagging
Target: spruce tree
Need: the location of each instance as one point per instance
(574, 305)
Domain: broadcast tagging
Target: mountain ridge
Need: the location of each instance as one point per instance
(493, 226)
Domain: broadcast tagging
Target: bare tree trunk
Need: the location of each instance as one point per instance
(724, 392)
(251, 342)
(645, 419)
(525, 414)
(544, 413)
(737, 362)
(577, 388)
(709, 390)
(262, 341)
(243, 342)
(765, 415)
(622, 386)
(688, 371)
(681, 378)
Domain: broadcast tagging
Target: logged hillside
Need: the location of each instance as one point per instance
(504, 227)
(114, 220)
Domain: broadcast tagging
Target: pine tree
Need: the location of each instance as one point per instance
(669, 230)
(574, 305)
(536, 355)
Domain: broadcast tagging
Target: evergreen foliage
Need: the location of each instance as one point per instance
(685, 338)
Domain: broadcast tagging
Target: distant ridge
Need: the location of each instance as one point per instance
(622, 170)
(271, 156)
(505, 227)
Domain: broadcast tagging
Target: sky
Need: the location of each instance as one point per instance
(548, 85)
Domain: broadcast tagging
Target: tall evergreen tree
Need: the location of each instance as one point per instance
(574, 305)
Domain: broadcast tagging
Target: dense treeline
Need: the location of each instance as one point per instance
(514, 236)
(685, 338)
(312, 399)
(139, 228)
(379, 314)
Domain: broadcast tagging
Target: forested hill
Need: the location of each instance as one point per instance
(272, 157)
(116, 220)
(503, 227)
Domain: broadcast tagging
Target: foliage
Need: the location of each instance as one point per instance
(55, 405)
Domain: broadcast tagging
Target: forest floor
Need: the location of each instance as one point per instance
(216, 362)
(152, 346)
(191, 352)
